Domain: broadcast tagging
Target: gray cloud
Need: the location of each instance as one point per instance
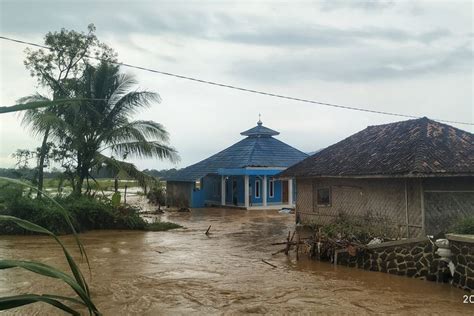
(329, 36)
(368, 5)
(361, 65)
(197, 22)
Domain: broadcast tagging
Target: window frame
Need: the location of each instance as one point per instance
(329, 197)
(271, 188)
(257, 188)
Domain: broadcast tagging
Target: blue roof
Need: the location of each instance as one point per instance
(260, 130)
(258, 149)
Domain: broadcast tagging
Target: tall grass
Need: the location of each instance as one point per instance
(76, 281)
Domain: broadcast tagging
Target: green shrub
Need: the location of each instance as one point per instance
(464, 225)
(161, 226)
(86, 213)
(362, 229)
(40, 212)
(157, 196)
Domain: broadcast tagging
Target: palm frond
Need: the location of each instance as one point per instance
(147, 149)
(126, 168)
(36, 105)
(151, 129)
(129, 104)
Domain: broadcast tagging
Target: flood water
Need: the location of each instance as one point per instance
(184, 271)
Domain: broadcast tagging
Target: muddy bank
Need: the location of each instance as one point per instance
(184, 271)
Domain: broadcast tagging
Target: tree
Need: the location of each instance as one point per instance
(58, 70)
(103, 124)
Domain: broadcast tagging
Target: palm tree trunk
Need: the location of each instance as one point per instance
(42, 158)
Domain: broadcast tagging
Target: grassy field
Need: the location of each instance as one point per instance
(104, 184)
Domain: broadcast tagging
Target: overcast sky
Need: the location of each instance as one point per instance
(412, 57)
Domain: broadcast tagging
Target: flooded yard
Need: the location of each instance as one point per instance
(184, 271)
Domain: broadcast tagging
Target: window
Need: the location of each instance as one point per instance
(197, 185)
(271, 189)
(324, 196)
(257, 189)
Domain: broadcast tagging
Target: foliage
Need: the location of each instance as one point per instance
(164, 173)
(82, 132)
(116, 199)
(161, 226)
(77, 282)
(362, 229)
(157, 195)
(58, 70)
(85, 213)
(463, 225)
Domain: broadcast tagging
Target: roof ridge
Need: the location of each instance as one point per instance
(249, 158)
(411, 148)
(420, 149)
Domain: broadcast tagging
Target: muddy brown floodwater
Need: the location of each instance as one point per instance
(184, 271)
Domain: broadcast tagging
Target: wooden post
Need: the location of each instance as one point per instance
(125, 195)
(422, 196)
(298, 247)
(287, 243)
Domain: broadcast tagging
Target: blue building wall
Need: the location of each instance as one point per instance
(210, 191)
(277, 196)
(198, 198)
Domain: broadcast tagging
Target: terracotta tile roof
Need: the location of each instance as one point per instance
(417, 147)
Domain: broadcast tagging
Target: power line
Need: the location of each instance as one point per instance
(223, 85)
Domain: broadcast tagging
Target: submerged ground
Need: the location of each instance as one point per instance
(184, 271)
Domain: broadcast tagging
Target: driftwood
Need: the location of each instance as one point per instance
(207, 231)
(279, 251)
(289, 242)
(285, 243)
(264, 261)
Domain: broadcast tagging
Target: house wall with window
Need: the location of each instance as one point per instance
(407, 207)
(320, 201)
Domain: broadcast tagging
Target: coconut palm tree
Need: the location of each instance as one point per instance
(103, 125)
(40, 121)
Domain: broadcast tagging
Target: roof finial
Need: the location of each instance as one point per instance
(259, 123)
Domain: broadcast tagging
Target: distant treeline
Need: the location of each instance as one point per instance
(26, 173)
(30, 173)
(161, 173)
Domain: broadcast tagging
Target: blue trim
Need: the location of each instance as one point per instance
(247, 172)
(197, 198)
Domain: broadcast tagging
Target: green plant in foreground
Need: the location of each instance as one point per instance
(161, 226)
(463, 225)
(77, 281)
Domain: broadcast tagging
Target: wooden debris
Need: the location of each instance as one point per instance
(264, 261)
(207, 231)
(279, 251)
(289, 242)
